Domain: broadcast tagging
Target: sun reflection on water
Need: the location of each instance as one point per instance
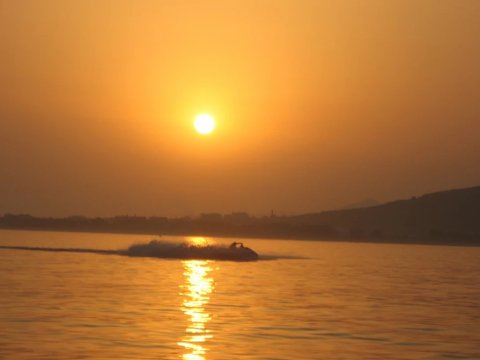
(196, 291)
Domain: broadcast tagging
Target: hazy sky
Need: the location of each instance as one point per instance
(318, 104)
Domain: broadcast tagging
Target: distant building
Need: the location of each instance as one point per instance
(211, 217)
(237, 218)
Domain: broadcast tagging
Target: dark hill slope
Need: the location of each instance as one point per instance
(442, 216)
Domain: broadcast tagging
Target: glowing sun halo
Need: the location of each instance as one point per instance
(204, 124)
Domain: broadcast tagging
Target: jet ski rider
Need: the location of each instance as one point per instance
(234, 245)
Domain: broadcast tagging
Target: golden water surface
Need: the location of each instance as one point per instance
(340, 301)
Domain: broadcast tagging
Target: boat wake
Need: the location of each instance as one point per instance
(72, 250)
(163, 250)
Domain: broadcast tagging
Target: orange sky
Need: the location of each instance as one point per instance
(318, 104)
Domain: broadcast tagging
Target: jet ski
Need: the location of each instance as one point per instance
(238, 251)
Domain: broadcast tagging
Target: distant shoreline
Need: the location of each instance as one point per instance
(444, 218)
(344, 240)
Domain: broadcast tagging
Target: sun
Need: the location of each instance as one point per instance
(204, 124)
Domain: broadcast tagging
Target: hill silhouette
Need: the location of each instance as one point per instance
(448, 217)
(452, 216)
(361, 204)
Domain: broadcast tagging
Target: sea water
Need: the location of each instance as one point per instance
(311, 300)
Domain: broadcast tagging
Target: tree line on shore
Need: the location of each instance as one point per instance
(451, 217)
